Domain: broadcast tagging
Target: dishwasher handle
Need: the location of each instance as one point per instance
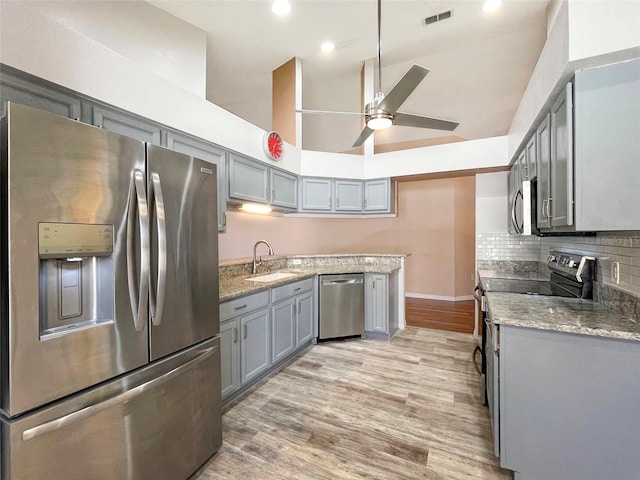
(343, 281)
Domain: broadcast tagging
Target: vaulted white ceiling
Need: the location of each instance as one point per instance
(480, 62)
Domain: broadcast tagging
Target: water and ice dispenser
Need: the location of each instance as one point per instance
(76, 276)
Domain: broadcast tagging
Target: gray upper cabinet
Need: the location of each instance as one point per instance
(317, 194)
(24, 91)
(284, 189)
(126, 124)
(607, 147)
(543, 160)
(248, 180)
(562, 159)
(378, 195)
(197, 148)
(348, 196)
(530, 158)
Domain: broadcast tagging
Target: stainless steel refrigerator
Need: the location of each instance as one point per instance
(110, 359)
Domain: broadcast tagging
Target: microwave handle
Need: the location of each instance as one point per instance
(514, 220)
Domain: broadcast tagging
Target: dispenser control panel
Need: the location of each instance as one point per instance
(60, 240)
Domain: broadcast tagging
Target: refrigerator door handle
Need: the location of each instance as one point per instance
(138, 203)
(156, 299)
(58, 423)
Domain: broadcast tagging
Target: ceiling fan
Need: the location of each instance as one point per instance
(382, 112)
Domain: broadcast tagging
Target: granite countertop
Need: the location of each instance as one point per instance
(571, 315)
(234, 286)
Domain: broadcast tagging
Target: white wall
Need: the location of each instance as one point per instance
(39, 44)
(166, 45)
(584, 34)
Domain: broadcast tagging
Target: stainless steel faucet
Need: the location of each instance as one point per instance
(255, 263)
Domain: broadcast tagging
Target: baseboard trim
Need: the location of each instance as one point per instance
(439, 297)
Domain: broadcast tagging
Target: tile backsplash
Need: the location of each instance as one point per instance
(502, 248)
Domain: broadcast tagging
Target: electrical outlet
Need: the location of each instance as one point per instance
(615, 272)
(297, 261)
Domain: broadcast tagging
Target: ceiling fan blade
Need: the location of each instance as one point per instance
(408, 120)
(329, 112)
(403, 89)
(363, 136)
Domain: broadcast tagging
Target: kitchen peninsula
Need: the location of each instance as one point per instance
(267, 318)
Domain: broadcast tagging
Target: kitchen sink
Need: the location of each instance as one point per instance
(271, 277)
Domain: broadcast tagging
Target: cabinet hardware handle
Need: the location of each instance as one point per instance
(365, 203)
(235, 335)
(549, 207)
(544, 208)
(244, 331)
(337, 203)
(299, 307)
(241, 307)
(297, 289)
(273, 195)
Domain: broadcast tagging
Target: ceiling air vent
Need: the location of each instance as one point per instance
(437, 18)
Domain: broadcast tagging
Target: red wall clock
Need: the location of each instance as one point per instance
(273, 145)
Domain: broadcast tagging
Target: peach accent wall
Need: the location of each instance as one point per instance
(435, 223)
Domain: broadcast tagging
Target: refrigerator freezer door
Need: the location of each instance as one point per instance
(184, 246)
(163, 421)
(59, 170)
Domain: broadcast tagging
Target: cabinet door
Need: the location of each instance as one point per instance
(197, 148)
(124, 124)
(376, 303)
(304, 318)
(25, 92)
(543, 159)
(283, 329)
(348, 196)
(511, 190)
(377, 195)
(248, 180)
(530, 163)
(316, 194)
(284, 189)
(562, 159)
(229, 357)
(255, 345)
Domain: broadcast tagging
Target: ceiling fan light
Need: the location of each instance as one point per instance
(491, 5)
(379, 121)
(281, 7)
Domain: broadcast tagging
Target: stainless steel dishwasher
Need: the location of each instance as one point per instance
(341, 305)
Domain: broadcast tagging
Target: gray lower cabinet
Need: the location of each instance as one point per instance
(381, 304)
(304, 318)
(248, 180)
(255, 346)
(283, 329)
(126, 124)
(18, 87)
(348, 196)
(194, 147)
(568, 405)
(284, 189)
(230, 356)
(376, 310)
(259, 330)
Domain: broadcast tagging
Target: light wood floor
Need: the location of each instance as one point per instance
(441, 315)
(364, 409)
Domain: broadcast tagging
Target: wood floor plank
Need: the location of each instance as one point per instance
(409, 408)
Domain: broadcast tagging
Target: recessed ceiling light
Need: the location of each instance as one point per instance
(327, 47)
(281, 7)
(491, 5)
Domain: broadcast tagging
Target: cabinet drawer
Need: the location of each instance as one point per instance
(291, 289)
(243, 305)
